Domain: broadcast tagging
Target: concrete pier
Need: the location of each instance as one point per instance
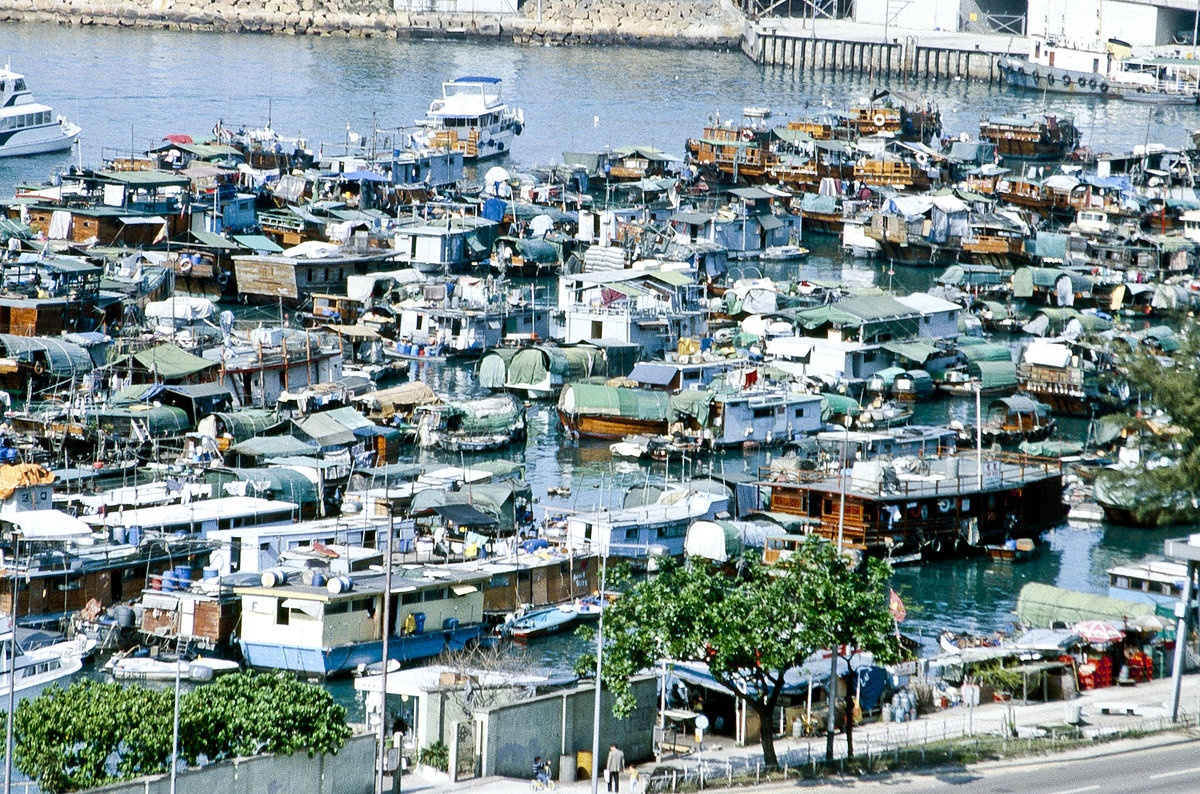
(871, 50)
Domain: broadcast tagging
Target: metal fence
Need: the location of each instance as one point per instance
(983, 22)
(910, 744)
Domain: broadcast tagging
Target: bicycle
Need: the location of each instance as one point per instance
(537, 785)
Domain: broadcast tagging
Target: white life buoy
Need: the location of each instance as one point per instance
(879, 119)
(944, 505)
(922, 158)
(185, 266)
(747, 135)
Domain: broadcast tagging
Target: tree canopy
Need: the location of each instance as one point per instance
(1166, 484)
(94, 733)
(751, 628)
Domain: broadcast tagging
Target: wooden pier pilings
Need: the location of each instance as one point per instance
(900, 58)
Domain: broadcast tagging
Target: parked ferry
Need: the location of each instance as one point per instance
(27, 127)
(471, 118)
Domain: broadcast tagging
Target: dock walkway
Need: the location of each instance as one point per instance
(845, 46)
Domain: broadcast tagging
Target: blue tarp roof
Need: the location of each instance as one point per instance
(652, 374)
(492, 80)
(364, 176)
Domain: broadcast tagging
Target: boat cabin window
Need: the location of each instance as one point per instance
(19, 85)
(436, 594)
(761, 413)
(282, 615)
(411, 598)
(827, 506)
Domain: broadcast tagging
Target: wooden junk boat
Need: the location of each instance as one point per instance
(936, 506)
(1049, 138)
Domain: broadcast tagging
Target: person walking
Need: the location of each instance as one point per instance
(613, 768)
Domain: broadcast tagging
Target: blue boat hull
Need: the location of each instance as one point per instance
(328, 662)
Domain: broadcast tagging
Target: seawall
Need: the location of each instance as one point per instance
(681, 23)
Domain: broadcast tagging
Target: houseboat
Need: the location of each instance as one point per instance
(928, 506)
(595, 411)
(472, 119)
(295, 278)
(644, 531)
(1052, 137)
(1011, 420)
(471, 425)
(335, 629)
(1153, 581)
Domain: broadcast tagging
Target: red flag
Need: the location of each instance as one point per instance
(896, 606)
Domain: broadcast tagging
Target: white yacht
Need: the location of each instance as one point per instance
(38, 667)
(27, 127)
(471, 118)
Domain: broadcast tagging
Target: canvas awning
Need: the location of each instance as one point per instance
(169, 362)
(464, 515)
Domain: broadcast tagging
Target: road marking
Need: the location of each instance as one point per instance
(1191, 771)
(1078, 790)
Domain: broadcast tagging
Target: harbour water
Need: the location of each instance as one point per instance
(127, 88)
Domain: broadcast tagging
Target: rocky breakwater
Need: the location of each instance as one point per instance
(646, 22)
(670, 23)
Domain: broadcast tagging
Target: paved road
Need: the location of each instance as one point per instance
(1168, 768)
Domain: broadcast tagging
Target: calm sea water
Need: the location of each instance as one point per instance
(129, 88)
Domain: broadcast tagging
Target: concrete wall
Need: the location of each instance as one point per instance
(917, 15)
(1088, 21)
(513, 735)
(351, 771)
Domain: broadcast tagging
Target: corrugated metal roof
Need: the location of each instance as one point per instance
(653, 374)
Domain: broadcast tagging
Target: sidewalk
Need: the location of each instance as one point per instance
(1104, 711)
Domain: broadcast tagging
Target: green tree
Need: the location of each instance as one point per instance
(1165, 487)
(92, 733)
(749, 629)
(847, 610)
(247, 713)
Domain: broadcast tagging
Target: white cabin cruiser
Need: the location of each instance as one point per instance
(471, 118)
(27, 127)
(38, 667)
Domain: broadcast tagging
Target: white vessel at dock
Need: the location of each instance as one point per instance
(471, 118)
(28, 127)
(1058, 65)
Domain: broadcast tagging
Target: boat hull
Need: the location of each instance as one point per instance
(341, 659)
(612, 427)
(28, 142)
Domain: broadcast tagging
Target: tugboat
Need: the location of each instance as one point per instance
(471, 118)
(27, 127)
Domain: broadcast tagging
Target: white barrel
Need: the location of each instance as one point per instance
(339, 584)
(273, 577)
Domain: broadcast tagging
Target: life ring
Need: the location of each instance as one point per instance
(185, 266)
(1050, 79)
(1037, 77)
(1104, 88)
(222, 277)
(922, 158)
(1066, 79)
(38, 368)
(879, 119)
(944, 505)
(1092, 83)
(747, 135)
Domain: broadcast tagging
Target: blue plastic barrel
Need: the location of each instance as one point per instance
(183, 573)
(419, 622)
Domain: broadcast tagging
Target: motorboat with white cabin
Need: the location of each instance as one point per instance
(470, 117)
(35, 667)
(28, 127)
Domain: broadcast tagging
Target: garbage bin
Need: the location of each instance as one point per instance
(1073, 713)
(566, 769)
